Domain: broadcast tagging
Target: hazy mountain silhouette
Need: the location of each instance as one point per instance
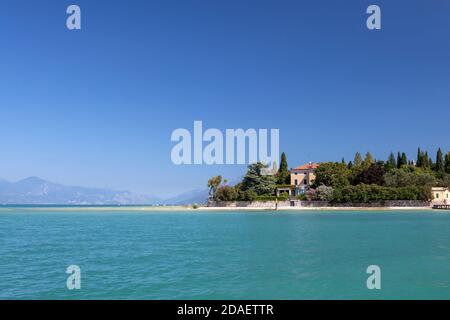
(35, 190)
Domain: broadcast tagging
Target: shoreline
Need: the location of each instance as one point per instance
(190, 208)
(315, 209)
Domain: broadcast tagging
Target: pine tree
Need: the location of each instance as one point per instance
(368, 160)
(399, 160)
(440, 166)
(284, 175)
(391, 164)
(358, 160)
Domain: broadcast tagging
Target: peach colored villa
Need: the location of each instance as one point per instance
(440, 195)
(302, 177)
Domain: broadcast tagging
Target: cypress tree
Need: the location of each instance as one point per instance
(368, 160)
(425, 160)
(391, 164)
(283, 172)
(399, 160)
(358, 160)
(350, 165)
(440, 167)
(404, 159)
(419, 158)
(447, 162)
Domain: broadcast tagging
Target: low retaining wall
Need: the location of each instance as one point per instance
(248, 204)
(316, 204)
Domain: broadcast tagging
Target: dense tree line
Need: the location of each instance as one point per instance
(254, 186)
(360, 180)
(397, 178)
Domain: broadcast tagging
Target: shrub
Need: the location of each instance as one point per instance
(368, 193)
(324, 193)
(226, 193)
(247, 195)
(302, 197)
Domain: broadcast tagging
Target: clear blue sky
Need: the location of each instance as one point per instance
(96, 107)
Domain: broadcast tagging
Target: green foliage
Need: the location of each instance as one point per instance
(410, 176)
(372, 175)
(358, 160)
(213, 184)
(391, 163)
(332, 174)
(283, 175)
(301, 197)
(404, 160)
(258, 183)
(247, 195)
(350, 165)
(440, 166)
(419, 158)
(368, 193)
(368, 161)
(447, 163)
(226, 193)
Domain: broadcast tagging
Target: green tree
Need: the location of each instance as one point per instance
(254, 180)
(368, 160)
(357, 162)
(226, 193)
(391, 163)
(426, 160)
(213, 184)
(373, 175)
(404, 159)
(399, 160)
(283, 175)
(350, 165)
(440, 166)
(332, 174)
(410, 176)
(419, 158)
(447, 163)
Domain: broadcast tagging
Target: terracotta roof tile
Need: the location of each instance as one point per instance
(307, 166)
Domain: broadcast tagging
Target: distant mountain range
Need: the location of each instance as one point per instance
(37, 191)
(190, 197)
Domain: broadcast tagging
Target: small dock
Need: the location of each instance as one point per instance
(441, 206)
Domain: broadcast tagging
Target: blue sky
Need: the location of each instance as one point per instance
(96, 107)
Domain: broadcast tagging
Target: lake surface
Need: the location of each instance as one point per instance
(128, 254)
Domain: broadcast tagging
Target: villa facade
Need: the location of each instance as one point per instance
(303, 176)
(441, 195)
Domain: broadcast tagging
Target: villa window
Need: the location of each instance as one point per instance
(305, 182)
(437, 195)
(296, 182)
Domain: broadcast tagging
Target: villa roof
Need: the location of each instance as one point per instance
(308, 166)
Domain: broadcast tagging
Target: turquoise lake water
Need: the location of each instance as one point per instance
(223, 255)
